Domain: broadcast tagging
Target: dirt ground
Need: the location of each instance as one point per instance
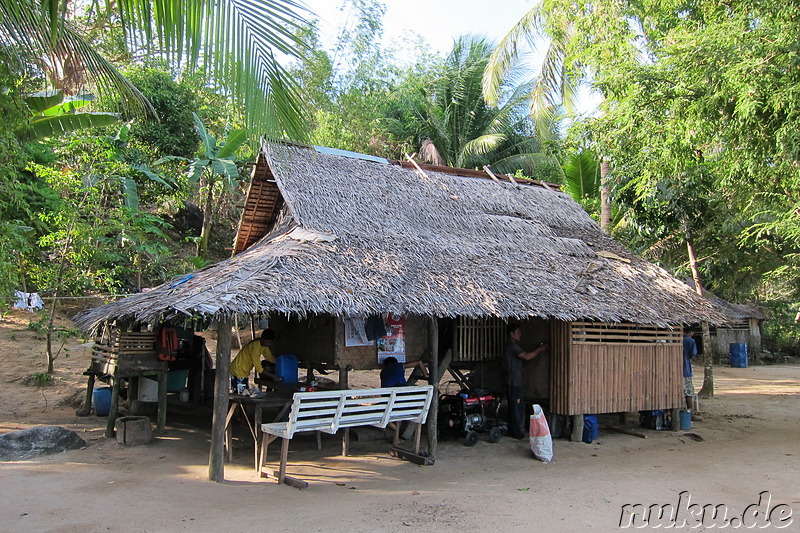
(746, 443)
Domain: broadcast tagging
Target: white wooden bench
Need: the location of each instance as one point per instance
(328, 411)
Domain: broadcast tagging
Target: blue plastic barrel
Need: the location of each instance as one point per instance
(738, 353)
(286, 368)
(101, 397)
(591, 428)
(686, 420)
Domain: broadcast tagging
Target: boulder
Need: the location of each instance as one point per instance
(39, 440)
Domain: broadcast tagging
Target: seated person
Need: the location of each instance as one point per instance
(249, 357)
(393, 373)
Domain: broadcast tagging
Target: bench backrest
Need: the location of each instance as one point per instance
(328, 411)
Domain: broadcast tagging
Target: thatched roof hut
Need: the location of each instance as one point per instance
(356, 235)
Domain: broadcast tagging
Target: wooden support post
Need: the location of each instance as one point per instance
(87, 401)
(162, 401)
(338, 352)
(621, 416)
(577, 428)
(433, 414)
(216, 459)
(112, 412)
(343, 380)
(675, 414)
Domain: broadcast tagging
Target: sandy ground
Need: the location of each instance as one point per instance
(749, 433)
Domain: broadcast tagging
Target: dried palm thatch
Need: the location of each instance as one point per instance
(357, 237)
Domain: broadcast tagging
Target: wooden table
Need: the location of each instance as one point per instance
(272, 399)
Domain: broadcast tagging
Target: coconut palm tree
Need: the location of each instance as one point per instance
(233, 41)
(555, 86)
(453, 125)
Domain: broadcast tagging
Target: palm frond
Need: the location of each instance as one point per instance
(235, 41)
(507, 52)
(39, 34)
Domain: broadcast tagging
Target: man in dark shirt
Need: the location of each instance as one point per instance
(689, 353)
(514, 355)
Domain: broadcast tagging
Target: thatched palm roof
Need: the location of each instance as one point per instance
(354, 236)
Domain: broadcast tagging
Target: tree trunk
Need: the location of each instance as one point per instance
(51, 357)
(216, 459)
(707, 390)
(202, 246)
(605, 203)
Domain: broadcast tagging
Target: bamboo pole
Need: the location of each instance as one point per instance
(216, 459)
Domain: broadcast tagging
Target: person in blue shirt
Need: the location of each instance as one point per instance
(689, 353)
(393, 373)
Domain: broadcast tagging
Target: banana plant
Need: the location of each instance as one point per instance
(54, 115)
(216, 171)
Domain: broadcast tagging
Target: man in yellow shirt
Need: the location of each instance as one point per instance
(249, 357)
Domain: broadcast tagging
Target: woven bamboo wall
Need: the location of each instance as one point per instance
(608, 368)
(480, 339)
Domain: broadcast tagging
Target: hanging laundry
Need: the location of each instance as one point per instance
(28, 300)
(375, 328)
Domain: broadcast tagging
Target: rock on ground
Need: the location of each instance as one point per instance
(39, 440)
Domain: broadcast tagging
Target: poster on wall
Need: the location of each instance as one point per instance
(393, 344)
(354, 333)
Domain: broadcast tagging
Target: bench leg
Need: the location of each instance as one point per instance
(346, 442)
(262, 455)
(284, 457)
(396, 441)
(319, 440)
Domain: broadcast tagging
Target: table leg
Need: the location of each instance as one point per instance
(257, 434)
(228, 438)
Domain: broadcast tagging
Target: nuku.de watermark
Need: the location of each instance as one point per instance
(691, 515)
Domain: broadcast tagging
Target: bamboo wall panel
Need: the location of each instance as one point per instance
(609, 368)
(480, 339)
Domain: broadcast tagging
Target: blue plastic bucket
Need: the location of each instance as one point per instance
(738, 353)
(101, 397)
(176, 380)
(686, 420)
(286, 368)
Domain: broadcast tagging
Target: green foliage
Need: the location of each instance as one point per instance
(582, 180)
(174, 103)
(782, 329)
(699, 116)
(38, 379)
(55, 115)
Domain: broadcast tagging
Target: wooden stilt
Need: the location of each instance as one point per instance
(162, 401)
(216, 459)
(112, 412)
(676, 419)
(433, 414)
(577, 428)
(87, 401)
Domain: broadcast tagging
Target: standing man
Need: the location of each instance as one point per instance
(513, 365)
(249, 357)
(689, 353)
